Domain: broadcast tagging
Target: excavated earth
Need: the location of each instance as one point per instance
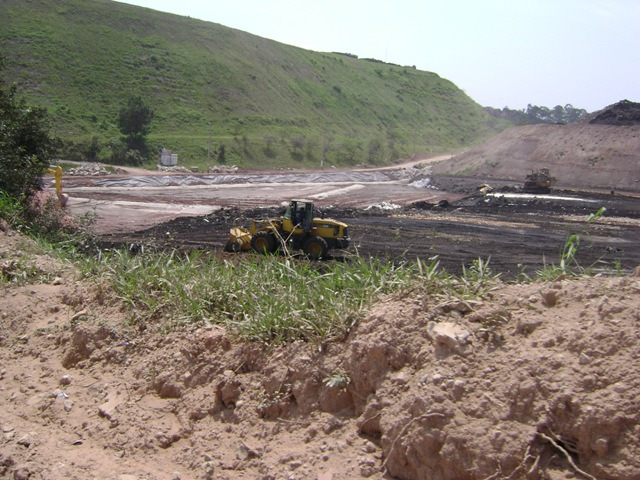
(537, 381)
(516, 233)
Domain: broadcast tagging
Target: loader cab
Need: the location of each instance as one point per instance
(300, 214)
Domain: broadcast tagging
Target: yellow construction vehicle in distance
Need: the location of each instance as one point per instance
(538, 181)
(298, 228)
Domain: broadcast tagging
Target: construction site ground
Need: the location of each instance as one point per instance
(536, 380)
(396, 214)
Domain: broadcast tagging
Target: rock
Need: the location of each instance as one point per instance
(5, 463)
(65, 380)
(88, 169)
(619, 387)
(166, 440)
(460, 306)
(636, 272)
(295, 465)
(369, 447)
(601, 447)
(246, 453)
(584, 359)
(79, 314)
(450, 335)
(367, 471)
(109, 408)
(21, 473)
(25, 440)
(401, 378)
(208, 468)
(458, 389)
(58, 281)
(67, 405)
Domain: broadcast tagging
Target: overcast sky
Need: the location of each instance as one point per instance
(500, 52)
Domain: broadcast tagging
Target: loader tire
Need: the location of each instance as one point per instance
(264, 242)
(315, 247)
(233, 247)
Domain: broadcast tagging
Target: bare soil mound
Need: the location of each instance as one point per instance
(621, 113)
(578, 155)
(536, 381)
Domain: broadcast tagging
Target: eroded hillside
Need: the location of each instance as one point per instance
(601, 152)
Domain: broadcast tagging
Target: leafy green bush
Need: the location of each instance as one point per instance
(83, 151)
(25, 143)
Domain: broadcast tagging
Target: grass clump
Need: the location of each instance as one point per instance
(265, 299)
(567, 264)
(476, 280)
(270, 299)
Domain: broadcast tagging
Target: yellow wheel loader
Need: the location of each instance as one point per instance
(539, 181)
(298, 228)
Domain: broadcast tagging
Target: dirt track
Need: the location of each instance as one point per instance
(388, 216)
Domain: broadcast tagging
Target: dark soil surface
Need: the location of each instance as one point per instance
(621, 113)
(516, 234)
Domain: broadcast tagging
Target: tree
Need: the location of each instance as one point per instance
(134, 121)
(221, 154)
(25, 142)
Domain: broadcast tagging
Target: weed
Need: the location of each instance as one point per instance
(568, 264)
(267, 400)
(595, 216)
(478, 279)
(19, 271)
(339, 379)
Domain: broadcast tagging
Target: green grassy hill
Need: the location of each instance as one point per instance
(270, 104)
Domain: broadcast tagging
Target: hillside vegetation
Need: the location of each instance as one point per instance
(266, 102)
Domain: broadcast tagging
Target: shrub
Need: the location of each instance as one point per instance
(25, 143)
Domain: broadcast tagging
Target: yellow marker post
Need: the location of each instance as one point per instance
(57, 175)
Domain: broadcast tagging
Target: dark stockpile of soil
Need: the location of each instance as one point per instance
(624, 112)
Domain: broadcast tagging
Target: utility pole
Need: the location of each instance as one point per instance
(209, 143)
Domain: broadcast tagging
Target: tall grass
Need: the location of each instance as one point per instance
(568, 264)
(269, 299)
(274, 299)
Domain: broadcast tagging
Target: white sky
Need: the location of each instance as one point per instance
(500, 52)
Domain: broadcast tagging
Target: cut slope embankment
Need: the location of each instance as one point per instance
(578, 155)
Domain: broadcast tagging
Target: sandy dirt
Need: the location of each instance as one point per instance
(537, 381)
(582, 156)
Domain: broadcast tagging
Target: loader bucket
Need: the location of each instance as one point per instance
(239, 240)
